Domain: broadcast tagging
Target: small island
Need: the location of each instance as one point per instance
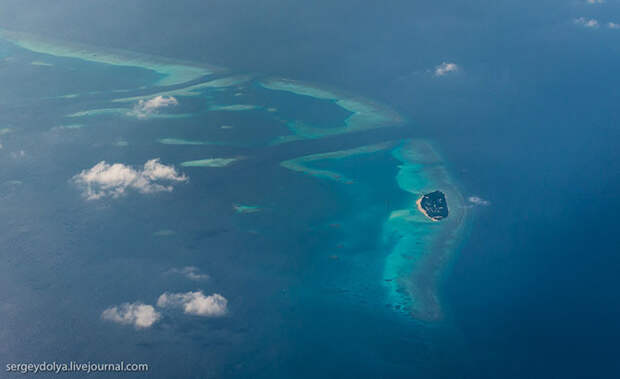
(433, 205)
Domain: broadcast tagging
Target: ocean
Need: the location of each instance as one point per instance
(300, 231)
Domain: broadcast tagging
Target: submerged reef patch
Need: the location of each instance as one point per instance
(39, 63)
(233, 107)
(301, 164)
(172, 72)
(180, 141)
(164, 233)
(210, 162)
(68, 127)
(193, 90)
(188, 142)
(126, 112)
(243, 208)
(365, 114)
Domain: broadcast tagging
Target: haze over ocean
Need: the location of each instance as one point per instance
(269, 194)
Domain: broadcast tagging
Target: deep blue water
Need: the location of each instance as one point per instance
(530, 124)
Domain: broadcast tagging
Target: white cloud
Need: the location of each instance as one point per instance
(588, 23)
(613, 25)
(475, 200)
(136, 314)
(195, 303)
(190, 272)
(113, 180)
(145, 108)
(445, 68)
(595, 1)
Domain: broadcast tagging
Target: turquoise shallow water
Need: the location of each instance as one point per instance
(308, 242)
(527, 122)
(414, 248)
